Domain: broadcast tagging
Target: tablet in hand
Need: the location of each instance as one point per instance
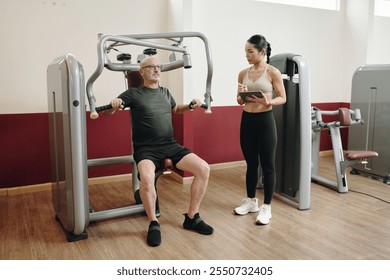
(245, 94)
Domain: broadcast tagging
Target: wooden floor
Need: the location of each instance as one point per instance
(337, 227)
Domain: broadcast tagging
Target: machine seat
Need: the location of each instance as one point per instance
(353, 155)
(166, 166)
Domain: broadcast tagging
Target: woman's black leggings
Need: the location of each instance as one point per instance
(258, 140)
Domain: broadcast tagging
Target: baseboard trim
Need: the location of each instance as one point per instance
(115, 178)
(3, 192)
(224, 165)
(25, 189)
(109, 179)
(326, 153)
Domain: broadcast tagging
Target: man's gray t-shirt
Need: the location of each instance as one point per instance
(151, 115)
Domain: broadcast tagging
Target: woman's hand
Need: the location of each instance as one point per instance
(260, 100)
(242, 87)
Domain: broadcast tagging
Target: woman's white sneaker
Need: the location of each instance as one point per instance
(264, 215)
(249, 206)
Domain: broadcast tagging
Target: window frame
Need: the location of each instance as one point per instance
(382, 8)
(333, 5)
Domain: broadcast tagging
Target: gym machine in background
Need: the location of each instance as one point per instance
(293, 161)
(371, 93)
(67, 123)
(346, 119)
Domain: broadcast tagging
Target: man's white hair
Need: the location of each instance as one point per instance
(144, 61)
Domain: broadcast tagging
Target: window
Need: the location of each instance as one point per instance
(382, 8)
(319, 4)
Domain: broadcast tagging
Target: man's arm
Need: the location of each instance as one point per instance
(116, 104)
(182, 108)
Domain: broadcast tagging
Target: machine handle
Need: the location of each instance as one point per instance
(103, 108)
(94, 115)
(204, 106)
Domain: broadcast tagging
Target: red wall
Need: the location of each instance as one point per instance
(109, 136)
(24, 149)
(214, 137)
(25, 153)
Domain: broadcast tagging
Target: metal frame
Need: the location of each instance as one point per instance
(66, 102)
(305, 132)
(142, 40)
(341, 182)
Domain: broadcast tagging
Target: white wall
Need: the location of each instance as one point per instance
(314, 34)
(379, 43)
(34, 32)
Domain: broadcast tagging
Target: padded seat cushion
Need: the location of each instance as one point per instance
(351, 155)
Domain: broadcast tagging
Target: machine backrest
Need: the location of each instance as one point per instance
(134, 79)
(344, 117)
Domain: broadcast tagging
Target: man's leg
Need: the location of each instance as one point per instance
(201, 171)
(146, 169)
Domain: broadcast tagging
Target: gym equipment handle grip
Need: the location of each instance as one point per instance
(95, 115)
(204, 106)
(103, 108)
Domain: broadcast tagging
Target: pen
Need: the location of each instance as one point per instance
(244, 87)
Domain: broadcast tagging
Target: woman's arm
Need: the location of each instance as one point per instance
(277, 83)
(240, 87)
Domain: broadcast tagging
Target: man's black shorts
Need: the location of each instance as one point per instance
(157, 154)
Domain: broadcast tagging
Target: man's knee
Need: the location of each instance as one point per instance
(147, 178)
(204, 169)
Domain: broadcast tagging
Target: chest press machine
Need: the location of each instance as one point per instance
(67, 123)
(346, 118)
